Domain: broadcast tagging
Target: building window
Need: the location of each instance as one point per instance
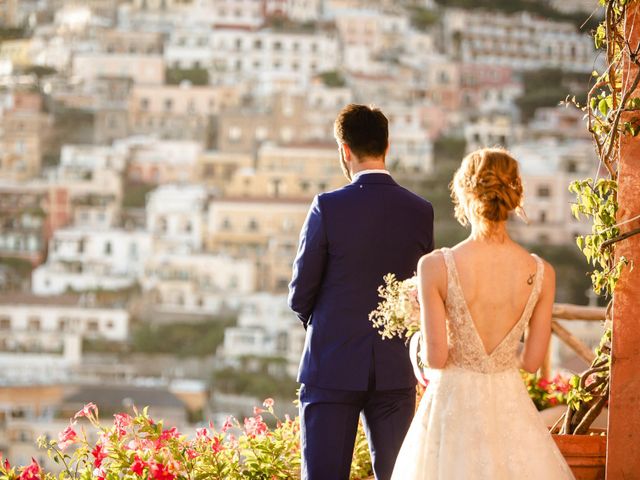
(33, 324)
(144, 104)
(226, 224)
(544, 191)
(168, 104)
(543, 217)
(5, 323)
(93, 325)
(107, 248)
(253, 225)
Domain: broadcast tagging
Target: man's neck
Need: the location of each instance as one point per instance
(373, 164)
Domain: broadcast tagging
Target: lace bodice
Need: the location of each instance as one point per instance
(466, 349)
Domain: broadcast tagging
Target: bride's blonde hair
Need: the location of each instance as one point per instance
(487, 187)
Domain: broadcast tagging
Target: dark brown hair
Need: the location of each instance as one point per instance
(364, 129)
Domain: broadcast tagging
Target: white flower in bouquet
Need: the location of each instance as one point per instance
(398, 313)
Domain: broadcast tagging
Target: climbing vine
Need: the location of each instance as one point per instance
(612, 111)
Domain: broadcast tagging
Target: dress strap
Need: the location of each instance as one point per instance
(537, 288)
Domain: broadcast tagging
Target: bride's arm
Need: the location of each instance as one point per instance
(432, 288)
(539, 331)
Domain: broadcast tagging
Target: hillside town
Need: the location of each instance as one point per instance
(158, 159)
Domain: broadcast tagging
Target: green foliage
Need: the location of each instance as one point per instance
(537, 7)
(135, 194)
(260, 383)
(423, 18)
(598, 201)
(547, 88)
(12, 33)
(196, 76)
(333, 79)
(20, 266)
(181, 339)
(40, 71)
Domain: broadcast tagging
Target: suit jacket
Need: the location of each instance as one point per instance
(351, 238)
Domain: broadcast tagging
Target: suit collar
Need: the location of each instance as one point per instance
(371, 178)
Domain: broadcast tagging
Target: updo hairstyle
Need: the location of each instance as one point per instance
(486, 187)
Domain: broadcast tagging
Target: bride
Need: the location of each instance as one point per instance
(476, 420)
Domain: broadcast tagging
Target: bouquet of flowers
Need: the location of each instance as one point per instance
(398, 313)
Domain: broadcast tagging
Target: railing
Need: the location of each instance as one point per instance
(565, 311)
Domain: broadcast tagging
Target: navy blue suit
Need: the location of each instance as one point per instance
(351, 238)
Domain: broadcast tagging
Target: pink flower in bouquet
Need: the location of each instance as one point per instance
(31, 472)
(169, 434)
(67, 437)
(257, 410)
(89, 410)
(216, 445)
(99, 454)
(121, 421)
(268, 403)
(202, 434)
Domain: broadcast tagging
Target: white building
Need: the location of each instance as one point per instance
(547, 167)
(521, 41)
(41, 323)
(197, 283)
(162, 161)
(410, 145)
(490, 130)
(176, 215)
(83, 259)
(189, 48)
(87, 158)
(142, 69)
(273, 57)
(266, 328)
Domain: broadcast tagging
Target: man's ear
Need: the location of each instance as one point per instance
(346, 151)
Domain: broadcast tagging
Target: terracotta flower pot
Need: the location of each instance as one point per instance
(585, 454)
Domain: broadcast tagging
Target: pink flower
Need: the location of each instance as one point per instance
(7, 465)
(191, 453)
(99, 454)
(159, 471)
(228, 423)
(31, 472)
(90, 409)
(121, 421)
(255, 426)
(99, 473)
(268, 403)
(257, 410)
(202, 434)
(67, 437)
(138, 466)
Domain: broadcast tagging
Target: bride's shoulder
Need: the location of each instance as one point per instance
(432, 262)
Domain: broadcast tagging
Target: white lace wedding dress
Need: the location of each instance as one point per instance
(476, 421)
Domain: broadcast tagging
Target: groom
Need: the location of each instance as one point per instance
(351, 238)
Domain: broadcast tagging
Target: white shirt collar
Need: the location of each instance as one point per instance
(365, 172)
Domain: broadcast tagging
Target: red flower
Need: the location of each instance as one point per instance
(216, 444)
(90, 409)
(7, 465)
(32, 472)
(168, 434)
(99, 455)
(191, 453)
(67, 437)
(138, 466)
(121, 421)
(268, 403)
(159, 471)
(202, 433)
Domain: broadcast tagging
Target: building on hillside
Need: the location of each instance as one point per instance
(197, 284)
(142, 69)
(130, 42)
(547, 168)
(520, 40)
(23, 222)
(266, 329)
(176, 216)
(161, 162)
(180, 112)
(84, 259)
(216, 169)
(273, 57)
(264, 230)
(492, 130)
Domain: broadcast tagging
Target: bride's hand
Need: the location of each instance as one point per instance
(414, 345)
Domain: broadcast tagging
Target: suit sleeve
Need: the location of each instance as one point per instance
(430, 241)
(309, 265)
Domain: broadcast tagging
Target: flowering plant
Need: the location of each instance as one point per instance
(137, 447)
(398, 314)
(545, 392)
